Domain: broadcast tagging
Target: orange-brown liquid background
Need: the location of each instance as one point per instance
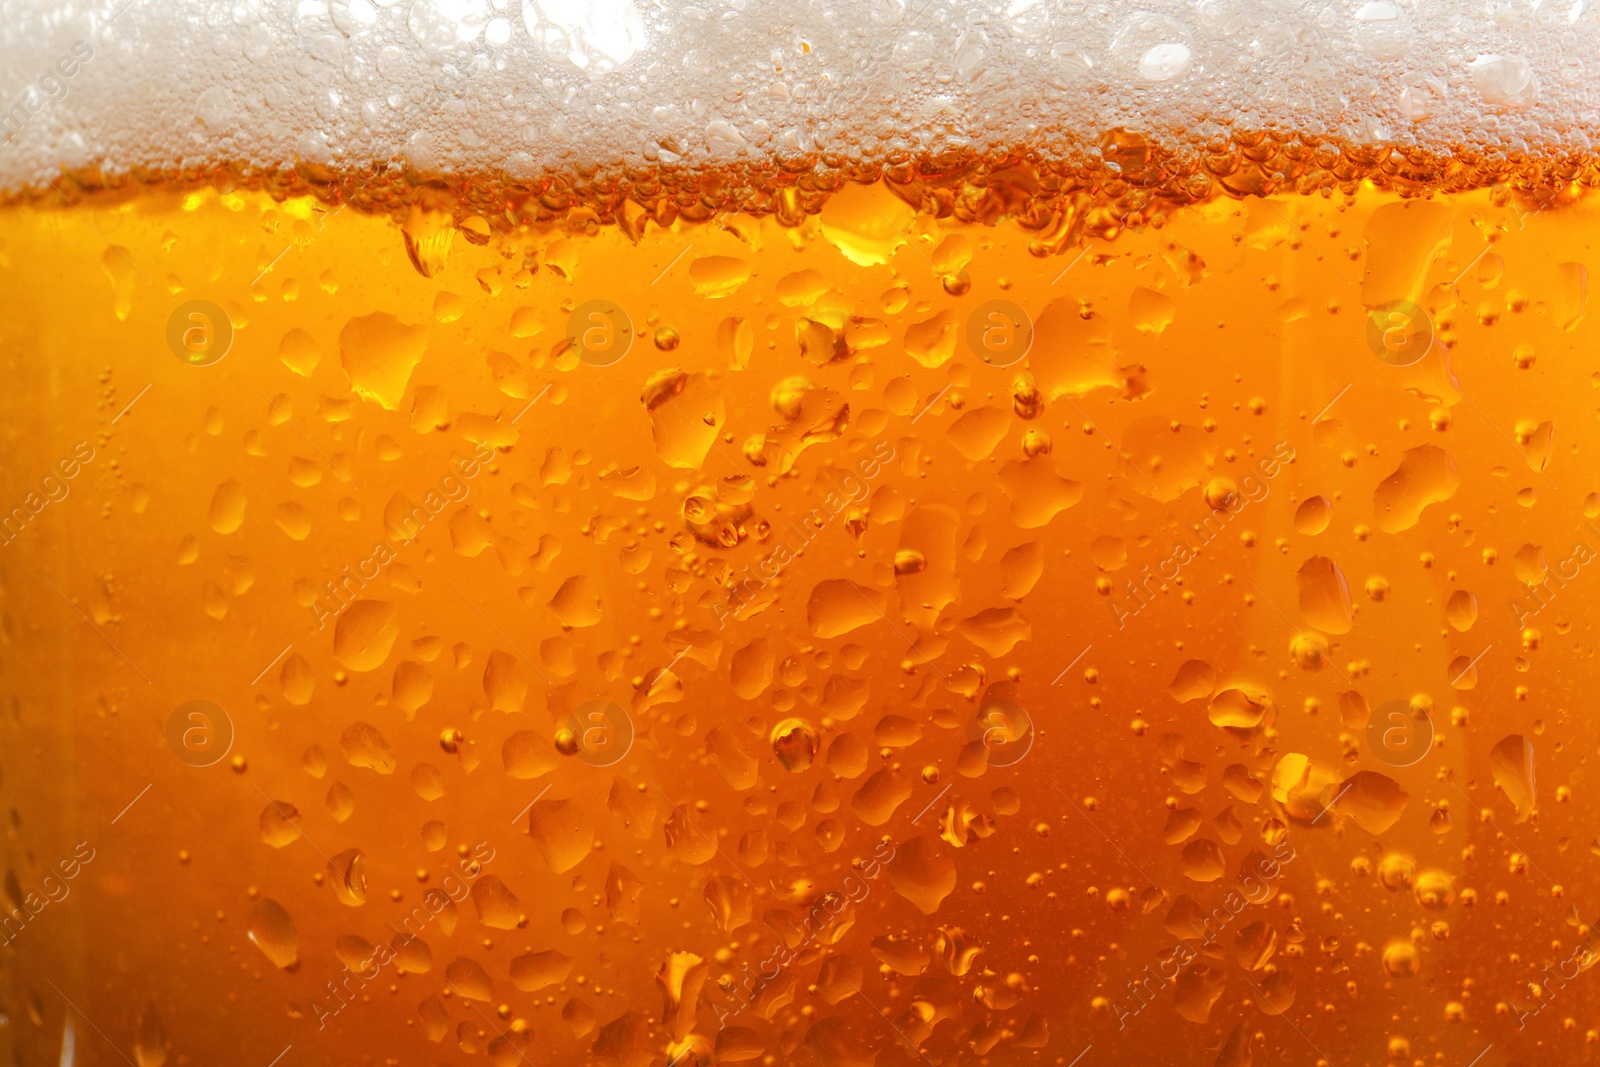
(1018, 502)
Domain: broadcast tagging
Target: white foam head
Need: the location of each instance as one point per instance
(530, 86)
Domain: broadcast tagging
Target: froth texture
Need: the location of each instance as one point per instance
(526, 87)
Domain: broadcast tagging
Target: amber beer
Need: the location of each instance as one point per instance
(1115, 599)
(404, 522)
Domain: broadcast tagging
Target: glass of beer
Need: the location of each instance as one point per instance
(596, 532)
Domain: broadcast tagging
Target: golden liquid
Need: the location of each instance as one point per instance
(963, 706)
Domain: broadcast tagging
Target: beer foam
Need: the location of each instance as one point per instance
(526, 88)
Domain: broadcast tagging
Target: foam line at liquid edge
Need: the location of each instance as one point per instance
(529, 88)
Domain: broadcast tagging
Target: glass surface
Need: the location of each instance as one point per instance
(1112, 600)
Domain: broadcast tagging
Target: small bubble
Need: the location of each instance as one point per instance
(1400, 959)
(1220, 492)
